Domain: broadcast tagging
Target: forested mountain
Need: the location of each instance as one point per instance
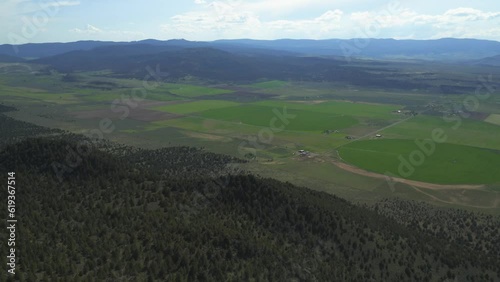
(38, 50)
(446, 49)
(490, 61)
(221, 66)
(181, 214)
(10, 59)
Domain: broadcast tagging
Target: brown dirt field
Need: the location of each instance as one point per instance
(493, 119)
(209, 137)
(141, 113)
(432, 186)
(478, 116)
(150, 115)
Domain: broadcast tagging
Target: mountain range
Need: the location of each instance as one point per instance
(447, 49)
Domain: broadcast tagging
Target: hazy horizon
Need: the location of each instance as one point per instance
(251, 39)
(30, 21)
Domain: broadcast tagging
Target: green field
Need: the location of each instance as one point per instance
(449, 164)
(190, 91)
(338, 107)
(321, 116)
(196, 106)
(269, 84)
(459, 131)
(298, 121)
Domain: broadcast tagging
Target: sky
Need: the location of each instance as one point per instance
(35, 21)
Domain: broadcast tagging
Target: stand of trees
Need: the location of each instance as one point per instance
(182, 214)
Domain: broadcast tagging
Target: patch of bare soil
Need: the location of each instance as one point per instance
(210, 137)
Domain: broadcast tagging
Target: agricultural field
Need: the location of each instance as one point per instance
(456, 129)
(269, 84)
(494, 119)
(441, 163)
(298, 120)
(195, 106)
(336, 127)
(190, 91)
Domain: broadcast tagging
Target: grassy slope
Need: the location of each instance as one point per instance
(196, 106)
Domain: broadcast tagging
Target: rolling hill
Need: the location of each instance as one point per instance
(181, 214)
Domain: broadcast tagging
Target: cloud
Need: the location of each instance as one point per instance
(458, 22)
(318, 27)
(281, 6)
(22, 21)
(230, 19)
(89, 29)
(95, 33)
(237, 19)
(408, 17)
(61, 4)
(469, 14)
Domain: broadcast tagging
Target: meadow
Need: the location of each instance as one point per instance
(326, 118)
(195, 106)
(300, 120)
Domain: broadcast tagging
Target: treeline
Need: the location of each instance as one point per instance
(4, 108)
(183, 214)
(13, 130)
(128, 214)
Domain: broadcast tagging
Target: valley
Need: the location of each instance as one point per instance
(290, 130)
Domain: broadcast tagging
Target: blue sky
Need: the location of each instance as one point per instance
(25, 21)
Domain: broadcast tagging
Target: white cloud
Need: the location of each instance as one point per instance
(238, 19)
(91, 32)
(469, 14)
(458, 22)
(89, 29)
(234, 19)
(61, 4)
(406, 16)
(277, 7)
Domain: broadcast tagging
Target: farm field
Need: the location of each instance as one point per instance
(189, 91)
(457, 130)
(442, 163)
(281, 119)
(296, 120)
(494, 119)
(195, 106)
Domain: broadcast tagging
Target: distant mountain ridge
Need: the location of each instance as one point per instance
(10, 59)
(219, 66)
(490, 61)
(447, 49)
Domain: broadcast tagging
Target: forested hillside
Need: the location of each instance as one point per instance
(181, 214)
